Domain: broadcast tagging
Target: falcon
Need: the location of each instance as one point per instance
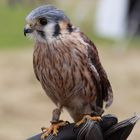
(67, 64)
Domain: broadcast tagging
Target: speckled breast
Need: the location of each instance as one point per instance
(63, 73)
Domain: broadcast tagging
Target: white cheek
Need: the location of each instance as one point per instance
(30, 36)
(35, 36)
(49, 31)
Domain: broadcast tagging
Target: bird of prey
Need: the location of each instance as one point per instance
(67, 65)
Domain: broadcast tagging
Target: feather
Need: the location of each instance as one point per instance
(107, 93)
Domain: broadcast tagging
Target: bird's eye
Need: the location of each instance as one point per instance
(43, 21)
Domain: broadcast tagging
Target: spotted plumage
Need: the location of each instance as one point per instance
(67, 64)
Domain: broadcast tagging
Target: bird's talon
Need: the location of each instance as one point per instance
(54, 129)
(55, 133)
(96, 118)
(88, 117)
(44, 136)
(67, 122)
(81, 122)
(44, 129)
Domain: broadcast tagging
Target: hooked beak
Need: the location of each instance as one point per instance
(27, 30)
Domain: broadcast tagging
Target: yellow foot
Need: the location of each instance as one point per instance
(88, 117)
(52, 129)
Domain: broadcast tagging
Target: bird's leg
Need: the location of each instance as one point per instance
(88, 117)
(55, 124)
(52, 129)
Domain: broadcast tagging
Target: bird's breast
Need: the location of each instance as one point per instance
(62, 70)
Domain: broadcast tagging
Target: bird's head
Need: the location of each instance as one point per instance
(46, 22)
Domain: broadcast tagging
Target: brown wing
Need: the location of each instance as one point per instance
(106, 89)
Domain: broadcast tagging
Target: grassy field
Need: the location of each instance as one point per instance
(11, 26)
(13, 21)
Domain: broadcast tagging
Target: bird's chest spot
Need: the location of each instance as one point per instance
(61, 68)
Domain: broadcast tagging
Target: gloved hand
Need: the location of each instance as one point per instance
(107, 129)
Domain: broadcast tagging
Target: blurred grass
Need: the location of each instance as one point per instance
(12, 23)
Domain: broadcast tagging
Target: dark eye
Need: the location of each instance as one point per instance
(43, 21)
